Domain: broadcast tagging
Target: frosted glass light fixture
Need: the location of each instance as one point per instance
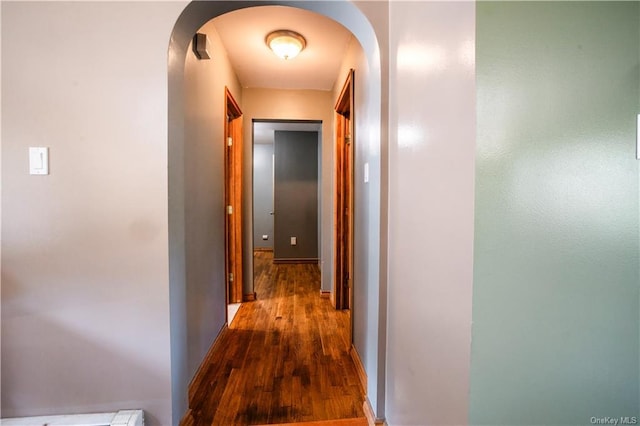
(286, 44)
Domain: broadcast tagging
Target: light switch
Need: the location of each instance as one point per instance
(265, 237)
(38, 160)
(294, 241)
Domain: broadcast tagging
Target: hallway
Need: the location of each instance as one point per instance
(285, 358)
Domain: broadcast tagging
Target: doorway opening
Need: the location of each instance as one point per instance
(233, 204)
(344, 196)
(286, 190)
(186, 305)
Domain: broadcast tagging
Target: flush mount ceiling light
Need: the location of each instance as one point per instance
(285, 44)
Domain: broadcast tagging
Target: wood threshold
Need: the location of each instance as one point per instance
(360, 421)
(250, 297)
(262, 249)
(282, 261)
(324, 294)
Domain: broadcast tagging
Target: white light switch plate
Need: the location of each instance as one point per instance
(38, 160)
(294, 241)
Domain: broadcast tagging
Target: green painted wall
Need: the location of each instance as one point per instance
(556, 262)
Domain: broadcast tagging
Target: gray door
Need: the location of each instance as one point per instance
(296, 196)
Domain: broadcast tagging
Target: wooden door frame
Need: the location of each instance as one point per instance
(344, 118)
(233, 198)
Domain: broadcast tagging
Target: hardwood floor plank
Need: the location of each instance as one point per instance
(285, 358)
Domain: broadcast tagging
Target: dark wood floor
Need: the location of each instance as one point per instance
(285, 358)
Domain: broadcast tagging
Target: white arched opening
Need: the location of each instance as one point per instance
(369, 326)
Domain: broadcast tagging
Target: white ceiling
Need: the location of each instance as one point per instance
(243, 34)
(264, 131)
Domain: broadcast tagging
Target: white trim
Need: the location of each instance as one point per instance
(120, 418)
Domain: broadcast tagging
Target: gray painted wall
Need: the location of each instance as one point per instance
(556, 277)
(296, 195)
(263, 195)
(204, 89)
(197, 308)
(366, 309)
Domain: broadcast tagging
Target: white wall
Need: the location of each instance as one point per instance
(85, 301)
(431, 195)
(0, 208)
(98, 224)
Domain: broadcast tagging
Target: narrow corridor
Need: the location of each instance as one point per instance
(285, 358)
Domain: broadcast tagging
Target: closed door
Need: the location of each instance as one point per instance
(296, 196)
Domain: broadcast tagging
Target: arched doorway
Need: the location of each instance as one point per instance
(369, 328)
